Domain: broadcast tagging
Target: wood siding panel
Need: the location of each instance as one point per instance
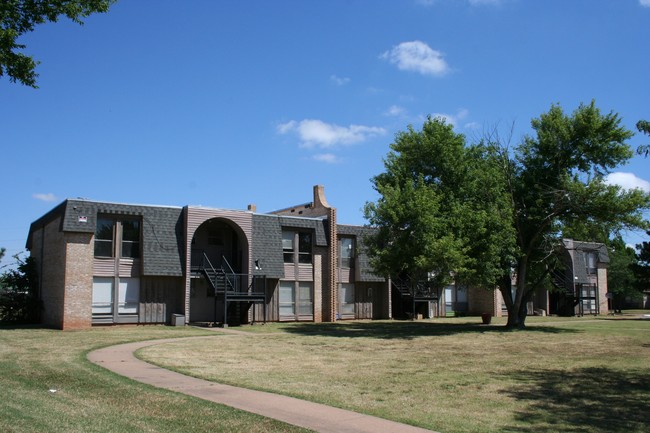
(160, 297)
(104, 267)
(364, 296)
(346, 275)
(305, 273)
(272, 308)
(289, 272)
(129, 268)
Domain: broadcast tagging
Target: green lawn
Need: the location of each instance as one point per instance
(88, 398)
(450, 375)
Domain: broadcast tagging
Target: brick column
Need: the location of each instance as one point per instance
(332, 263)
(77, 307)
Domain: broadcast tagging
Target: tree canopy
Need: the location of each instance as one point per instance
(644, 127)
(642, 266)
(481, 212)
(622, 280)
(18, 17)
(441, 210)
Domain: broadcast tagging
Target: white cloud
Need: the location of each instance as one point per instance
(329, 158)
(418, 57)
(484, 2)
(395, 110)
(472, 125)
(452, 119)
(645, 3)
(313, 132)
(627, 181)
(339, 81)
(286, 127)
(49, 197)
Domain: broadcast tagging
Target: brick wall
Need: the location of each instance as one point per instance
(78, 281)
(332, 266)
(483, 301)
(602, 289)
(49, 252)
(318, 284)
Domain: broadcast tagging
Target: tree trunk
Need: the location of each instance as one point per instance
(517, 309)
(517, 316)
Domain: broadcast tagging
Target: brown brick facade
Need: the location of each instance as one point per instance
(49, 253)
(318, 287)
(77, 312)
(64, 263)
(602, 290)
(484, 301)
(332, 266)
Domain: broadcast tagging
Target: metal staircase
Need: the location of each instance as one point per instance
(565, 297)
(230, 287)
(411, 292)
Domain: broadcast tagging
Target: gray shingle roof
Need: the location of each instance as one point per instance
(162, 230)
(318, 225)
(267, 245)
(580, 251)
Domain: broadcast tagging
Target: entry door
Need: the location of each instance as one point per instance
(449, 300)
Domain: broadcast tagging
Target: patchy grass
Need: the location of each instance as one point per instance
(450, 375)
(48, 385)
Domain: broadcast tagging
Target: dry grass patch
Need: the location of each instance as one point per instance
(446, 375)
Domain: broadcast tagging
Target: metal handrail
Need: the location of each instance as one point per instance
(231, 276)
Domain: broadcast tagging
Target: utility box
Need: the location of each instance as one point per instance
(178, 320)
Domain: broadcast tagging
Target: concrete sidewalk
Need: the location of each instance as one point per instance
(318, 417)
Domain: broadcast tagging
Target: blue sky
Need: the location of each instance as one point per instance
(226, 103)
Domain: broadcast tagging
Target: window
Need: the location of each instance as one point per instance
(289, 242)
(102, 303)
(104, 238)
(105, 304)
(287, 300)
(290, 291)
(346, 299)
(304, 247)
(127, 232)
(346, 252)
(131, 239)
(592, 260)
(287, 246)
(305, 299)
(128, 296)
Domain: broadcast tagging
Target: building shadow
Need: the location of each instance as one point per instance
(397, 329)
(586, 400)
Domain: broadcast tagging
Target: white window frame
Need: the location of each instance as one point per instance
(347, 307)
(102, 297)
(296, 306)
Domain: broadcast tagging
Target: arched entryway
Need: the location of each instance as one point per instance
(220, 244)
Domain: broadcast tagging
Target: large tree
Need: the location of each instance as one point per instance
(18, 17)
(486, 213)
(442, 209)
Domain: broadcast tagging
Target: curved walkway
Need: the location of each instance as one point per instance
(321, 418)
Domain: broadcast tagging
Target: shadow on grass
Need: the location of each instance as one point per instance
(17, 326)
(405, 329)
(588, 400)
